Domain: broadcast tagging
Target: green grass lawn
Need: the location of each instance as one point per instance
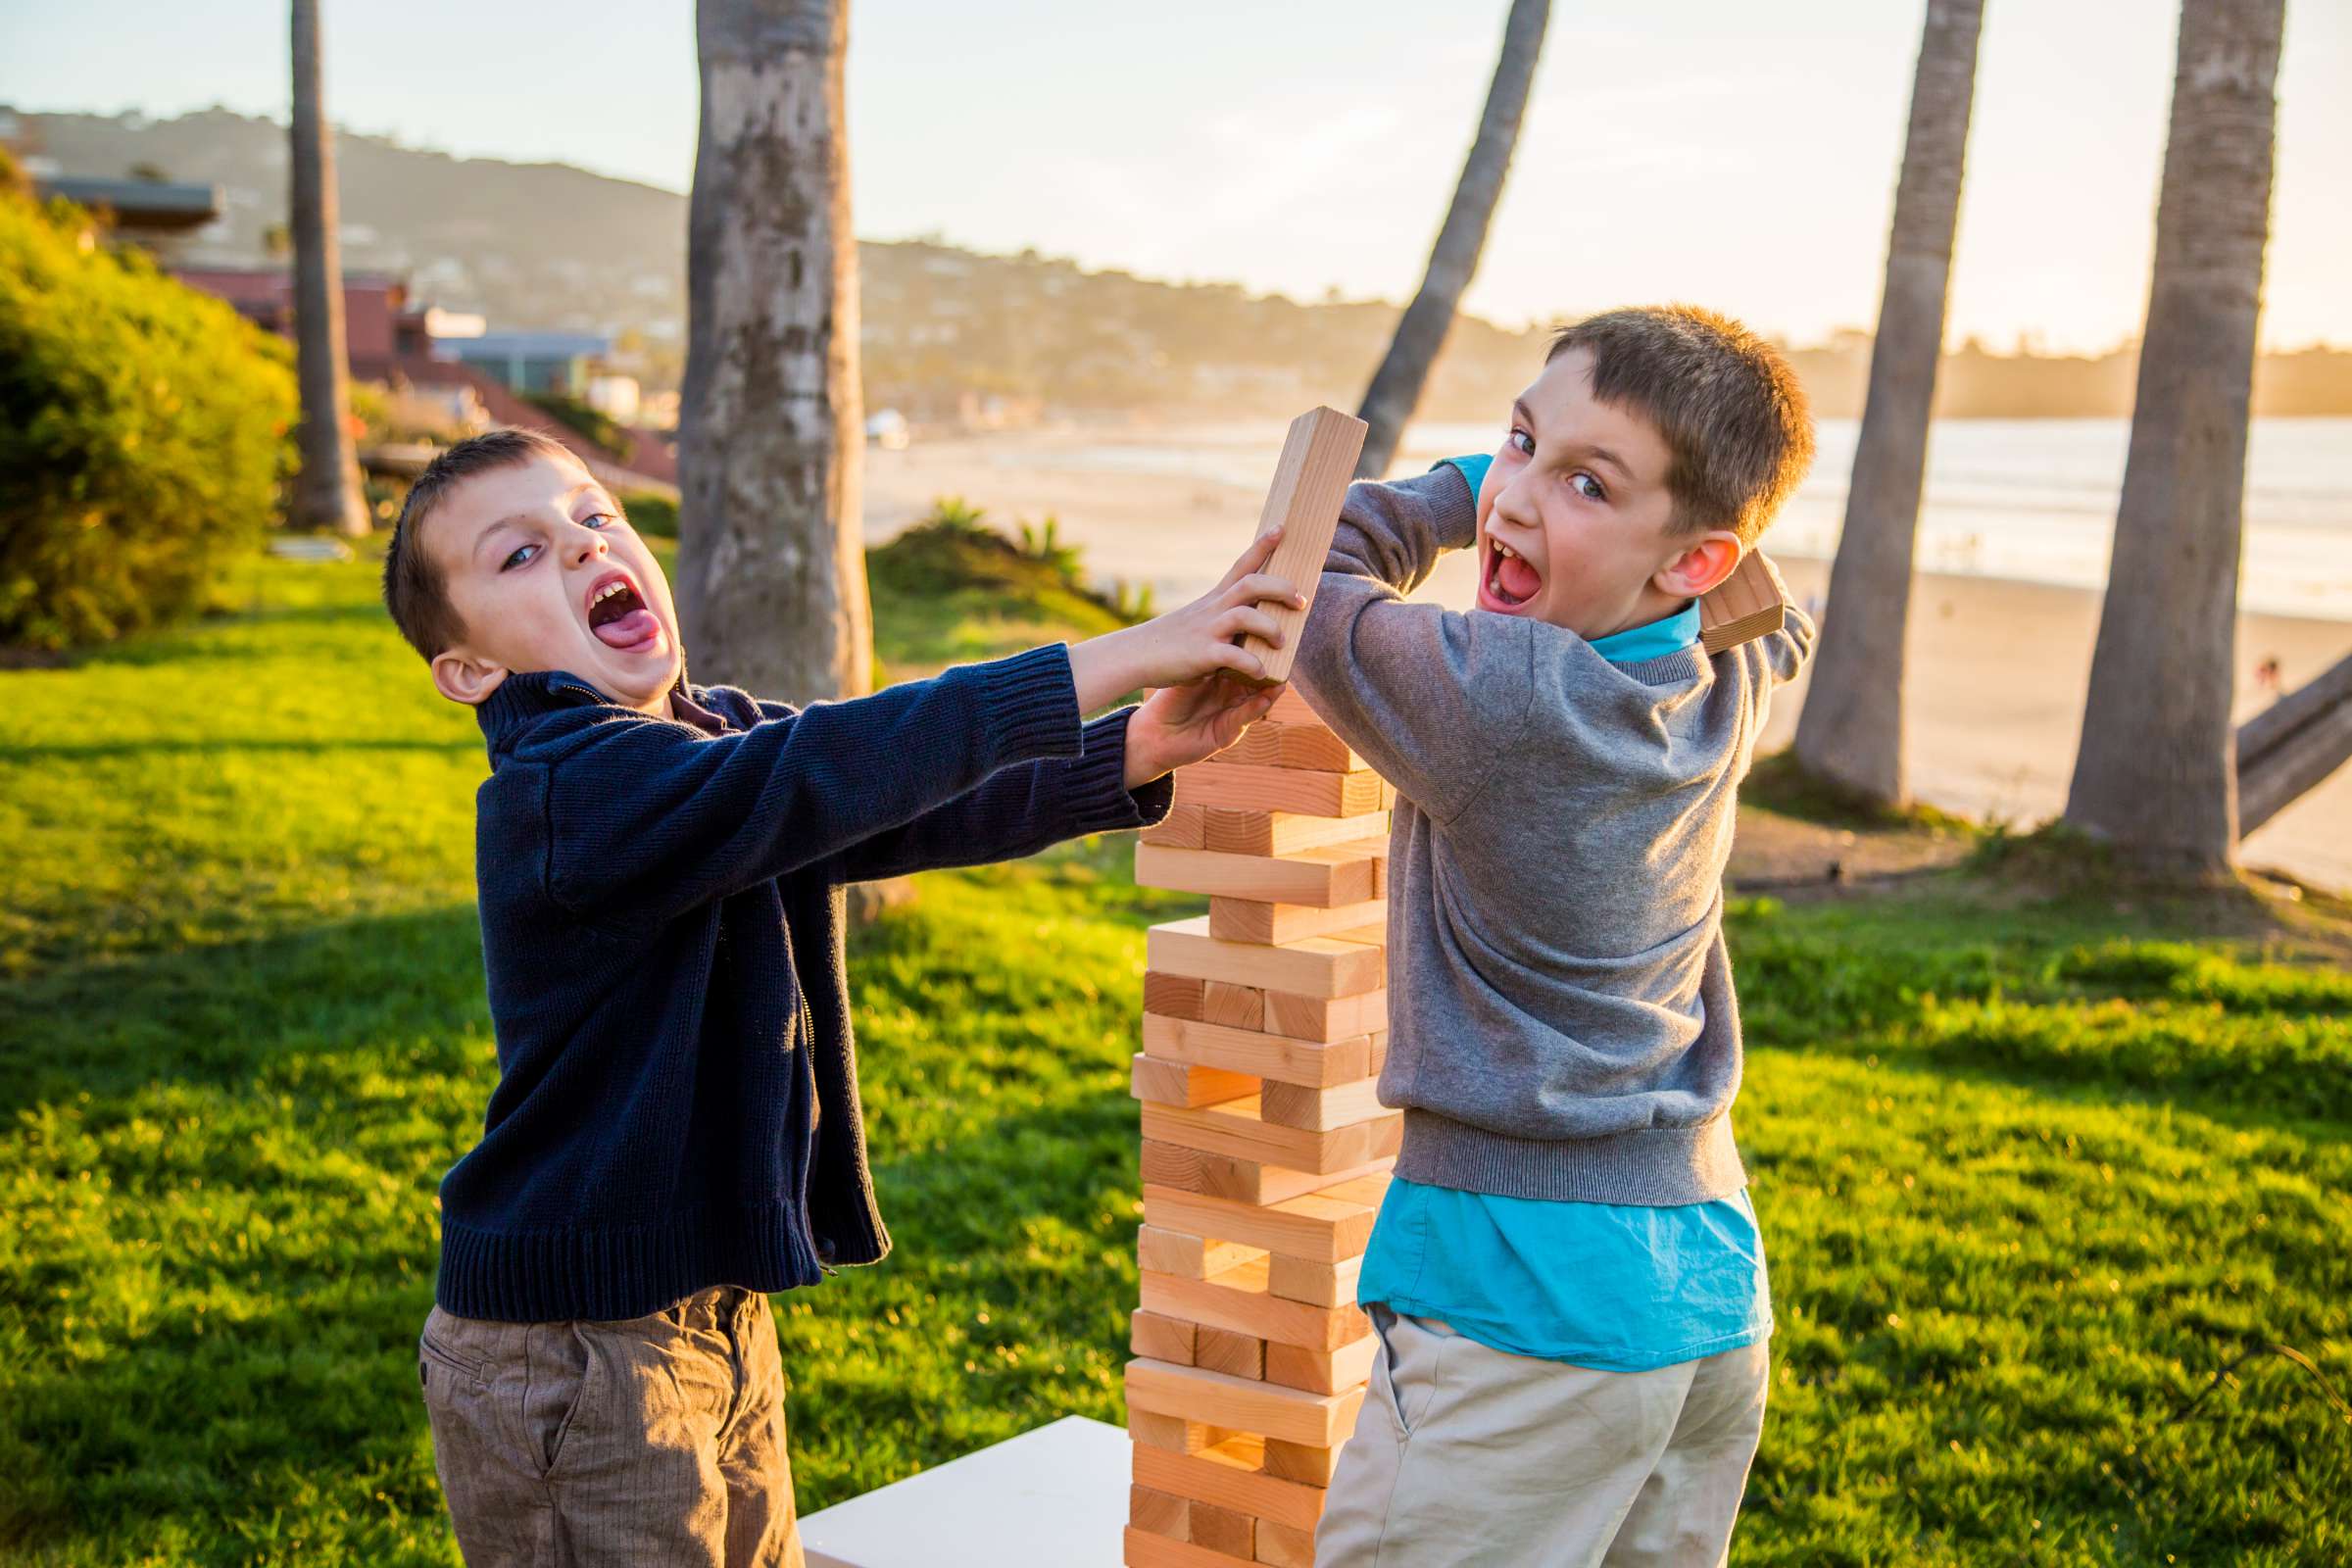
(2043, 1179)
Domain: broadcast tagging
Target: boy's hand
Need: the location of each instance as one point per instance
(1184, 645)
(1184, 724)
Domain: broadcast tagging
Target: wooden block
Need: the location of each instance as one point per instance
(1182, 1083)
(1379, 1042)
(1225, 1477)
(1176, 996)
(1242, 1180)
(1310, 1279)
(1232, 1006)
(1311, 484)
(1748, 604)
(1285, 1546)
(1292, 708)
(1247, 920)
(1316, 1063)
(1305, 1463)
(1302, 1105)
(1185, 827)
(1267, 744)
(1231, 832)
(1173, 1433)
(1160, 1512)
(1319, 966)
(1235, 1128)
(1329, 1225)
(1223, 1530)
(1237, 1299)
(1140, 1548)
(1326, 1017)
(1159, 1338)
(1241, 1355)
(1296, 1366)
(1324, 875)
(1196, 1257)
(1289, 1415)
(1305, 791)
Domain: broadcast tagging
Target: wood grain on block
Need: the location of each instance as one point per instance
(1329, 1225)
(1326, 1019)
(1175, 996)
(1317, 1063)
(1292, 708)
(1232, 832)
(1310, 1279)
(1267, 744)
(1237, 1299)
(1182, 1083)
(1743, 606)
(1249, 921)
(1296, 1366)
(1193, 1256)
(1379, 1042)
(1307, 1462)
(1300, 1106)
(1244, 1181)
(1232, 1006)
(1285, 1546)
(1185, 827)
(1239, 1356)
(1241, 787)
(1163, 1338)
(1174, 1433)
(1160, 1512)
(1288, 1415)
(1223, 1476)
(1223, 1530)
(1235, 1128)
(1319, 966)
(1324, 875)
(1140, 1548)
(1310, 483)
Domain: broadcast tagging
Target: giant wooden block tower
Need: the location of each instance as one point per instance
(1265, 1150)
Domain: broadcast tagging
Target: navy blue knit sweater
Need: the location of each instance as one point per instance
(661, 930)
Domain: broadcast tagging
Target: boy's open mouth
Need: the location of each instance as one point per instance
(1509, 581)
(618, 617)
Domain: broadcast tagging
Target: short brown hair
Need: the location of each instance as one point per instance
(1731, 409)
(415, 589)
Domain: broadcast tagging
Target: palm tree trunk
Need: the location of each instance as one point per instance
(327, 488)
(771, 451)
(1396, 385)
(1851, 733)
(2154, 775)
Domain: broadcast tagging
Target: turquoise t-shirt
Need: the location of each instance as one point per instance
(1619, 1288)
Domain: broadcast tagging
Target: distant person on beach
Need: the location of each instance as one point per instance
(676, 1132)
(1566, 1275)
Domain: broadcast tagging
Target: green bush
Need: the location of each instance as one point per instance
(651, 512)
(143, 434)
(596, 426)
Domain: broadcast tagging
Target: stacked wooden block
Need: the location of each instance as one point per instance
(1265, 1150)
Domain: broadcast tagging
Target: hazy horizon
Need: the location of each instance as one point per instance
(1719, 171)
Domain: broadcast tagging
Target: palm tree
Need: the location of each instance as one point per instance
(772, 438)
(2154, 775)
(327, 488)
(1396, 385)
(1851, 732)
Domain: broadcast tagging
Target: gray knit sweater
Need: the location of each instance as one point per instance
(1561, 1018)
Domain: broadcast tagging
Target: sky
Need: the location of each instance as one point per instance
(1738, 155)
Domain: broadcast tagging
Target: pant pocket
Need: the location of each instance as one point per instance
(560, 1377)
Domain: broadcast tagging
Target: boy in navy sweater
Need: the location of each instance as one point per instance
(676, 1131)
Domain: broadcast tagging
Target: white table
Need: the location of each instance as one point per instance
(1053, 1498)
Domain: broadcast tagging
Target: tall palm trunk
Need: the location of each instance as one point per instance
(1396, 385)
(1851, 733)
(2154, 774)
(771, 450)
(326, 489)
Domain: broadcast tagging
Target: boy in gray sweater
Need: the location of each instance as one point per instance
(1566, 1274)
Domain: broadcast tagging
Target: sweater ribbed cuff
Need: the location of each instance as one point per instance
(1654, 1167)
(606, 1273)
(1031, 702)
(1453, 506)
(1100, 801)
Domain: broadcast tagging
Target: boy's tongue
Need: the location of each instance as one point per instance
(624, 631)
(1518, 579)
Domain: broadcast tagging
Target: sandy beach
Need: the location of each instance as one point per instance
(1997, 673)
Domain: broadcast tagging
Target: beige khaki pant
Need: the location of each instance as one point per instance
(655, 1441)
(1465, 1454)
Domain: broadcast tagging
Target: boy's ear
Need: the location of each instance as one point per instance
(1702, 565)
(466, 678)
